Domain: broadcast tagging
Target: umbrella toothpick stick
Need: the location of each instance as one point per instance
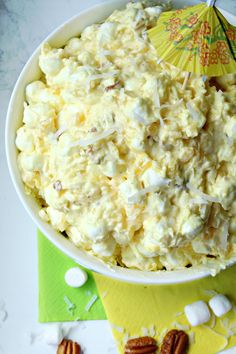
(211, 2)
(187, 76)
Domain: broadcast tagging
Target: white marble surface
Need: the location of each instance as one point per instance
(23, 25)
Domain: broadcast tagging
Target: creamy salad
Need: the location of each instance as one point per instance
(133, 167)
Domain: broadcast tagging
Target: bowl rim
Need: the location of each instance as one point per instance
(67, 247)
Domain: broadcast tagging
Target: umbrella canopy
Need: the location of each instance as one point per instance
(196, 39)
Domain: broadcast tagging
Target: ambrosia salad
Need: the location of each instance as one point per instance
(130, 165)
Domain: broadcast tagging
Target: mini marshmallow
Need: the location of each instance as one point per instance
(220, 305)
(231, 350)
(75, 277)
(197, 313)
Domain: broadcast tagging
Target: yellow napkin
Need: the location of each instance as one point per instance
(135, 310)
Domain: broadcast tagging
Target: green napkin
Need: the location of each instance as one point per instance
(57, 301)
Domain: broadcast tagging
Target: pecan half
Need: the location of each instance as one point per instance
(142, 345)
(68, 347)
(114, 86)
(76, 348)
(175, 342)
(93, 130)
(62, 347)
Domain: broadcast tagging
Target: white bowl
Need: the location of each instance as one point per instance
(32, 72)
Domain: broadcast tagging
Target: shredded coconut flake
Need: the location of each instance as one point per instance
(139, 118)
(230, 333)
(73, 186)
(67, 328)
(232, 325)
(139, 16)
(144, 35)
(180, 313)
(215, 332)
(152, 331)
(87, 68)
(224, 236)
(213, 321)
(106, 53)
(118, 328)
(151, 189)
(104, 294)
(134, 336)
(91, 141)
(156, 99)
(163, 333)
(102, 76)
(191, 337)
(144, 331)
(126, 337)
(224, 322)
(50, 333)
(156, 96)
(59, 132)
(161, 120)
(170, 106)
(202, 195)
(198, 201)
(70, 305)
(91, 303)
(33, 337)
(186, 79)
(68, 302)
(210, 292)
(180, 326)
(194, 114)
